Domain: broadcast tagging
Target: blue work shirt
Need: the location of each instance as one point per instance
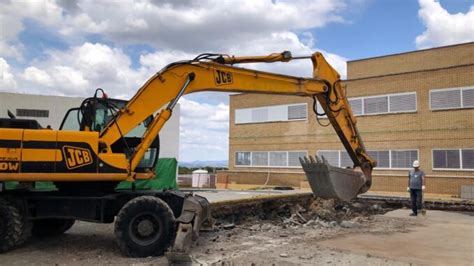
(416, 178)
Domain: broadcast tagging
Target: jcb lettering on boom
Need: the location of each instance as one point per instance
(76, 157)
(9, 166)
(223, 77)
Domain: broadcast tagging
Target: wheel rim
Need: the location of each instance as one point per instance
(145, 228)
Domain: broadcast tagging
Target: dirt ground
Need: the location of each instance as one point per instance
(321, 234)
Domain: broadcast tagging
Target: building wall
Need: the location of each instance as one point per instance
(56, 105)
(59, 105)
(424, 130)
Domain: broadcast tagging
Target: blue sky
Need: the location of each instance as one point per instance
(71, 47)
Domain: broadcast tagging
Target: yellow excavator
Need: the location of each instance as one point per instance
(95, 149)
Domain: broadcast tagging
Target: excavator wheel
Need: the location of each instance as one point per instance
(145, 226)
(15, 229)
(51, 227)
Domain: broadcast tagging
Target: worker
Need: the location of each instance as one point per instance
(416, 184)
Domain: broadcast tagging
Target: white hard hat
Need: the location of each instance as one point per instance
(416, 163)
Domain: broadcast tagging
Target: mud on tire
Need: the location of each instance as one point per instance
(15, 229)
(51, 227)
(145, 226)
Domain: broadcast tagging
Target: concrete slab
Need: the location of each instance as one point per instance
(445, 238)
(217, 195)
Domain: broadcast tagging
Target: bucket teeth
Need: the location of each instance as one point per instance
(327, 181)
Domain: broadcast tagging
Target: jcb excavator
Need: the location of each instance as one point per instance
(94, 150)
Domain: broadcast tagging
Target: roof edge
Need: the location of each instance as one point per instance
(411, 52)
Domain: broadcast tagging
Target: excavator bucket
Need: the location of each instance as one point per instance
(331, 182)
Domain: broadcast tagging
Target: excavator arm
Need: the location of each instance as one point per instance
(210, 72)
(93, 154)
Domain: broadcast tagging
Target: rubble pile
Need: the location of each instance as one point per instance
(316, 212)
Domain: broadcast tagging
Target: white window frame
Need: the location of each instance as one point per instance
(268, 165)
(407, 168)
(375, 96)
(390, 159)
(376, 168)
(272, 121)
(338, 155)
(288, 158)
(241, 165)
(450, 169)
(388, 104)
(296, 119)
(460, 89)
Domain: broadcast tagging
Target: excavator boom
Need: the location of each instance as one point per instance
(217, 73)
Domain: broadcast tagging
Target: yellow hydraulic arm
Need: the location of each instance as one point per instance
(49, 155)
(216, 73)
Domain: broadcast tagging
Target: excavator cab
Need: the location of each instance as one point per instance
(100, 112)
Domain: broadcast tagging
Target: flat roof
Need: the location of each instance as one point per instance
(411, 52)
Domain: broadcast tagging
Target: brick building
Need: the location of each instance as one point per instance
(414, 105)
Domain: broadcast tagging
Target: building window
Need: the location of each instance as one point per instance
(443, 99)
(260, 115)
(269, 158)
(453, 159)
(294, 158)
(467, 156)
(356, 105)
(382, 104)
(242, 158)
(403, 159)
(278, 158)
(260, 158)
(402, 102)
(275, 113)
(394, 159)
(297, 112)
(32, 112)
(376, 105)
(388, 159)
(336, 158)
(382, 158)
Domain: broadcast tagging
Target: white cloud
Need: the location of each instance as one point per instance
(7, 80)
(81, 69)
(37, 76)
(204, 131)
(196, 25)
(11, 15)
(443, 28)
(177, 30)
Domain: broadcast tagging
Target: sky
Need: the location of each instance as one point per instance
(70, 48)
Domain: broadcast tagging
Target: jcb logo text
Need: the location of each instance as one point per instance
(223, 77)
(9, 166)
(76, 157)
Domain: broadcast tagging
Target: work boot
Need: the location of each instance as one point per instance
(413, 214)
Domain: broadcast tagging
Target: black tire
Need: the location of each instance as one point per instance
(145, 226)
(14, 227)
(51, 227)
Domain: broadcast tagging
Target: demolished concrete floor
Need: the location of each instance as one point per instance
(318, 233)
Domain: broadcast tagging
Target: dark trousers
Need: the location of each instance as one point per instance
(415, 195)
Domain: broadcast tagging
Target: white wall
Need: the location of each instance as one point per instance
(58, 106)
(169, 136)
